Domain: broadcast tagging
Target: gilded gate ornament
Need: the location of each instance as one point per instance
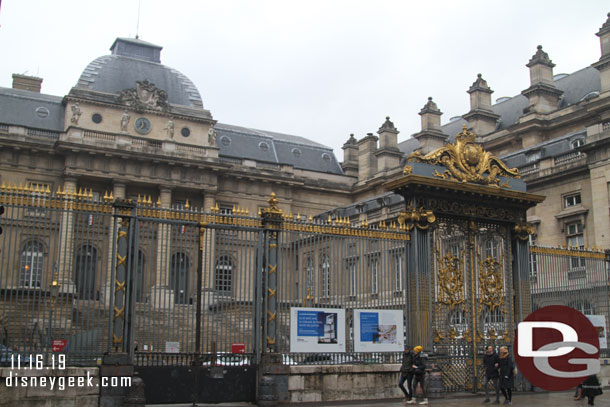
(491, 286)
(524, 230)
(450, 280)
(467, 162)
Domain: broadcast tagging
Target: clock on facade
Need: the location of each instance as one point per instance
(142, 125)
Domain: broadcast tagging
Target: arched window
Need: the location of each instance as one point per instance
(491, 248)
(32, 258)
(325, 270)
(85, 267)
(178, 276)
(309, 276)
(224, 275)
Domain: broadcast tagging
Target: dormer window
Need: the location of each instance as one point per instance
(534, 156)
(577, 143)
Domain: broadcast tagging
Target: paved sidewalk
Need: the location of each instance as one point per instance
(554, 399)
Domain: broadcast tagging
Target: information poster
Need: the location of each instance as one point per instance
(599, 322)
(317, 330)
(378, 330)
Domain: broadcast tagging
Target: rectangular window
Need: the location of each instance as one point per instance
(351, 267)
(533, 260)
(39, 195)
(571, 200)
(226, 210)
(576, 240)
(325, 269)
(374, 267)
(398, 269)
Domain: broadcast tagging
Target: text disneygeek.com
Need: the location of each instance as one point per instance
(62, 382)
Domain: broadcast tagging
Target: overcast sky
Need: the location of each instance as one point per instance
(317, 69)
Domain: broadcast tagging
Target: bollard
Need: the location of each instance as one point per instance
(434, 385)
(136, 396)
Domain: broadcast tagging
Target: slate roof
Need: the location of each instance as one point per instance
(114, 73)
(29, 109)
(575, 87)
(275, 148)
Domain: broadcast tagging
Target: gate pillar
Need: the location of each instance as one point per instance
(272, 374)
(418, 304)
(117, 361)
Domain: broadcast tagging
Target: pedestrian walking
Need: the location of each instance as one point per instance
(419, 371)
(507, 375)
(406, 374)
(591, 388)
(491, 361)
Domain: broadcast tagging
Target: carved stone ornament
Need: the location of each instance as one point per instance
(467, 162)
(145, 96)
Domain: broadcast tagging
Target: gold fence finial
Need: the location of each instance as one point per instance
(186, 205)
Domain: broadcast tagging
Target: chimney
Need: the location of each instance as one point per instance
(24, 82)
(481, 118)
(388, 156)
(542, 94)
(367, 162)
(603, 65)
(430, 137)
(350, 157)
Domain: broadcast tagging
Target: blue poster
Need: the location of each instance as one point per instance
(369, 326)
(309, 324)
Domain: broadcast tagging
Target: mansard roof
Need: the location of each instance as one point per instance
(275, 148)
(576, 87)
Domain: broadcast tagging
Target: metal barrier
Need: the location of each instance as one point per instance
(577, 278)
(183, 287)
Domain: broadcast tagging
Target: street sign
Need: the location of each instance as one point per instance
(238, 347)
(59, 345)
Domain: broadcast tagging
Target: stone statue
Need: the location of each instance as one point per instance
(125, 121)
(75, 113)
(170, 128)
(212, 137)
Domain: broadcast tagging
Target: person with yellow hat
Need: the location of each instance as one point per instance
(507, 375)
(419, 372)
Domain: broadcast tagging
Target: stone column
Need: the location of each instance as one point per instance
(162, 296)
(66, 243)
(208, 255)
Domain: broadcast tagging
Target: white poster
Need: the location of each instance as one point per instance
(599, 322)
(378, 330)
(317, 330)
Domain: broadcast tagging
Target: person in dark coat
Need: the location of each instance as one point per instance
(491, 361)
(406, 373)
(419, 366)
(507, 375)
(591, 388)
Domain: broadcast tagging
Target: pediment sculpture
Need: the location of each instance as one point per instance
(145, 96)
(466, 161)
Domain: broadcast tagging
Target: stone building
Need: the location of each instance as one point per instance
(134, 128)
(556, 132)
